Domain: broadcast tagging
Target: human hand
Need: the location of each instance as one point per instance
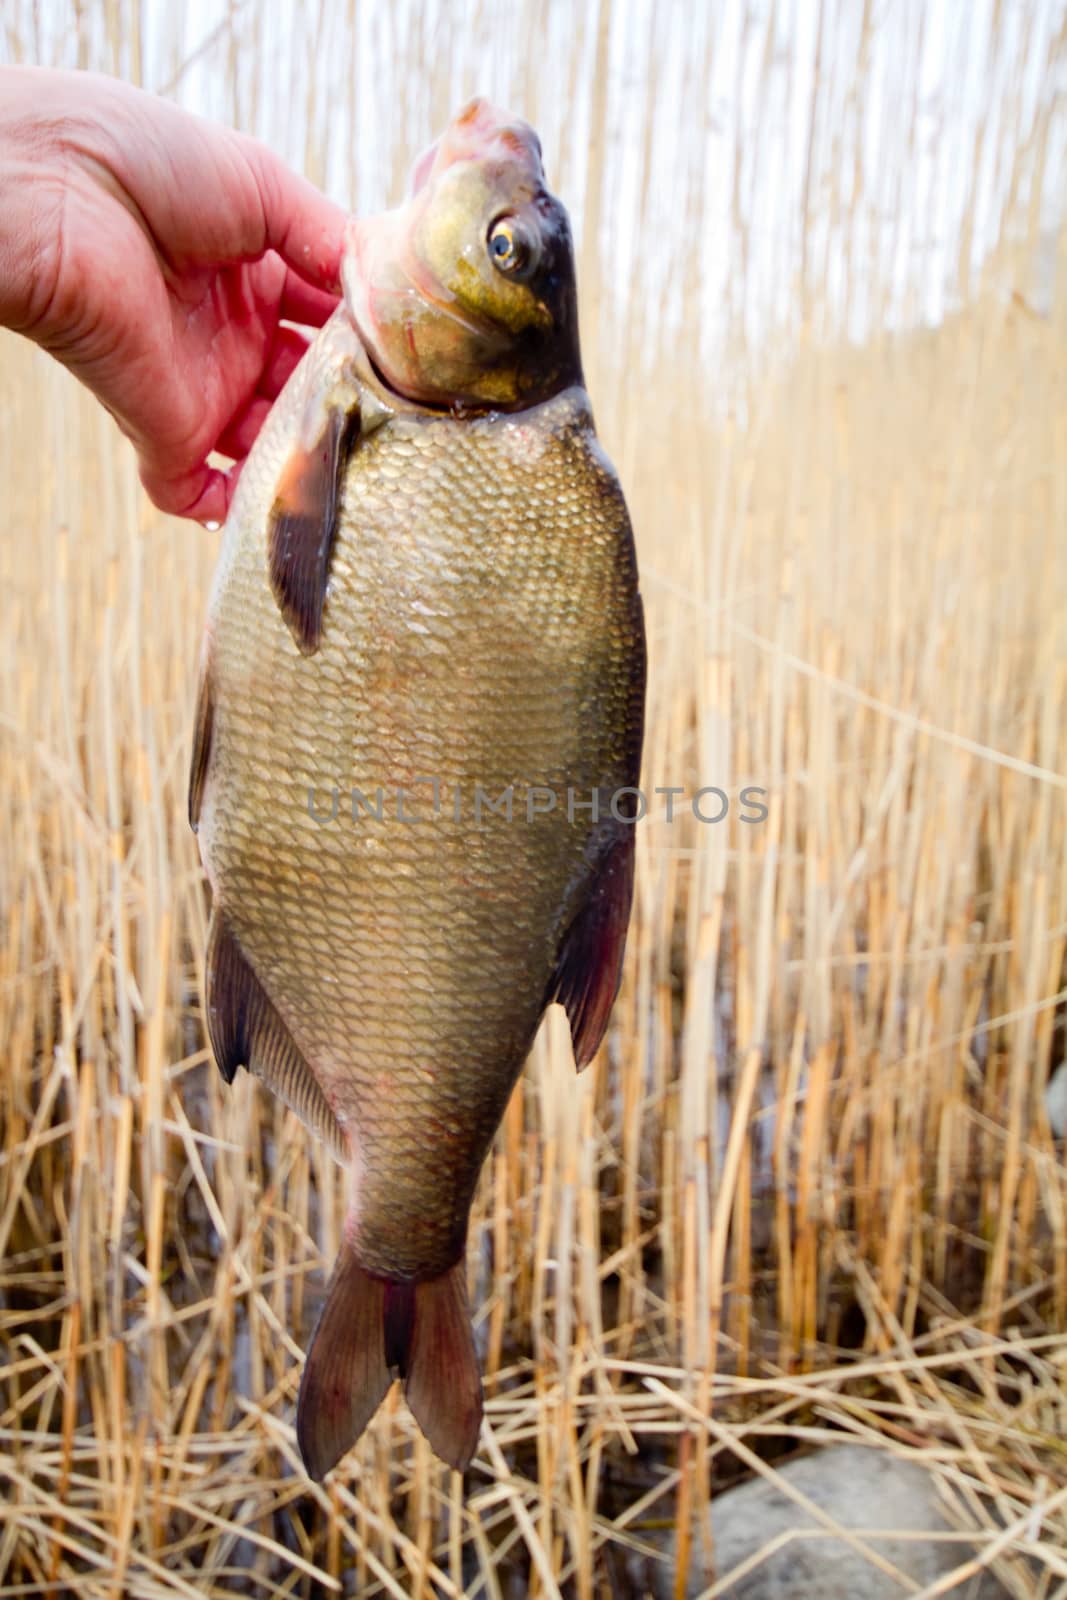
(155, 254)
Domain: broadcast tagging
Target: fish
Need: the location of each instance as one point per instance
(416, 749)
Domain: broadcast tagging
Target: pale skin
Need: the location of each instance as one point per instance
(159, 256)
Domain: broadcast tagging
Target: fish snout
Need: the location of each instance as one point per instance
(479, 132)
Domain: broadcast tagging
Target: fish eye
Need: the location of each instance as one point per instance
(511, 248)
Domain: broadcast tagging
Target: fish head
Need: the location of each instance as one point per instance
(465, 295)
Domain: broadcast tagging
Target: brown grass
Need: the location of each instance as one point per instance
(809, 1190)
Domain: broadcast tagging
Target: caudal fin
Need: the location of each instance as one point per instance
(369, 1325)
(345, 1375)
(443, 1386)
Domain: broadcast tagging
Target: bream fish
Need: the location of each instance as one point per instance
(417, 746)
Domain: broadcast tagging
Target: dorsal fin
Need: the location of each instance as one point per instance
(589, 968)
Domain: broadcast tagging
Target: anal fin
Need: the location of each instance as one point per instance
(246, 1030)
(589, 968)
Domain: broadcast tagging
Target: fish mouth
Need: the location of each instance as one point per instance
(478, 132)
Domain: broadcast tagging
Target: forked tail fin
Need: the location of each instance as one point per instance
(369, 1326)
(345, 1376)
(442, 1383)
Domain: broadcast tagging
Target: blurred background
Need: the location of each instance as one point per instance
(814, 1186)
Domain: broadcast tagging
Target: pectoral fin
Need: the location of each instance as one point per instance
(589, 969)
(303, 519)
(337, 410)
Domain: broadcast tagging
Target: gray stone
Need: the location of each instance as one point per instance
(861, 1488)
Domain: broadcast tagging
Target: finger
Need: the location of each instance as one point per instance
(208, 195)
(201, 494)
(239, 437)
(215, 508)
(301, 302)
(240, 433)
(285, 356)
(305, 228)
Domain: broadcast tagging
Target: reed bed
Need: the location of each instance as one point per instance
(809, 1190)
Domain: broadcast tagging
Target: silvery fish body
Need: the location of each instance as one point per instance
(417, 744)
